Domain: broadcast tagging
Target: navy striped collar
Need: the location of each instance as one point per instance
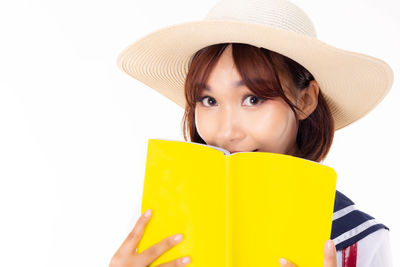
(349, 225)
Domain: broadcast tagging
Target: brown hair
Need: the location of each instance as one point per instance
(259, 68)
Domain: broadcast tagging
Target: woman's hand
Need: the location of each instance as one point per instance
(127, 256)
(329, 256)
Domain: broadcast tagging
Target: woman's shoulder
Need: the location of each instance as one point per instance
(350, 225)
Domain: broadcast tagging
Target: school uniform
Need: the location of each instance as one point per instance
(360, 240)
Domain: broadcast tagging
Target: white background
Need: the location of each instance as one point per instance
(74, 128)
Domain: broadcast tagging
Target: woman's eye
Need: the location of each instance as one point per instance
(253, 100)
(250, 100)
(207, 101)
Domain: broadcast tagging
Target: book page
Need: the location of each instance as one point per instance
(226, 152)
(281, 206)
(185, 187)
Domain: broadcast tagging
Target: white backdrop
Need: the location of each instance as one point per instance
(74, 128)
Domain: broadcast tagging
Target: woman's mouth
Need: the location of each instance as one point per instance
(244, 151)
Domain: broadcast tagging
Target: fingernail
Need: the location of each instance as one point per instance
(178, 238)
(147, 213)
(186, 260)
(329, 246)
(282, 261)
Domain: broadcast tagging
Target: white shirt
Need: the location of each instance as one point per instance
(372, 251)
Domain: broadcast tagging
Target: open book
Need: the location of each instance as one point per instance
(241, 209)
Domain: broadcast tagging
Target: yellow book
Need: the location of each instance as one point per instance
(236, 210)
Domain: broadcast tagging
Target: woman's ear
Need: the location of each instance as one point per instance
(308, 100)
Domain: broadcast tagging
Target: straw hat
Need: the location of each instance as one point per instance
(352, 83)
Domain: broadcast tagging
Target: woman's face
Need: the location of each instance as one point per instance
(231, 117)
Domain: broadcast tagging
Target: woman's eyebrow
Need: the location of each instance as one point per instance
(206, 87)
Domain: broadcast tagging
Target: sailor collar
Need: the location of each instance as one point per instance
(349, 225)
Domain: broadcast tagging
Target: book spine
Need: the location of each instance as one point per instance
(228, 213)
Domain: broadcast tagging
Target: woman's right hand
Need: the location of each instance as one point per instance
(127, 256)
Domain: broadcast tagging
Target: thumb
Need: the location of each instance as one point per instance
(330, 254)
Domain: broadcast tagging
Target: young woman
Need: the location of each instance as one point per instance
(253, 77)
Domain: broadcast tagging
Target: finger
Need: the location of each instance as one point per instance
(155, 251)
(132, 240)
(330, 254)
(286, 263)
(176, 263)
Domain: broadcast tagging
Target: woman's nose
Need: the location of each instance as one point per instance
(230, 127)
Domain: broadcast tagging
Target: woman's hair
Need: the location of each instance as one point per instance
(259, 68)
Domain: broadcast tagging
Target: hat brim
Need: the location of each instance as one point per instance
(352, 83)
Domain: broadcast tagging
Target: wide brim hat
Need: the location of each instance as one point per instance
(352, 83)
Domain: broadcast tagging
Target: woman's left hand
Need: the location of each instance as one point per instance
(329, 256)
